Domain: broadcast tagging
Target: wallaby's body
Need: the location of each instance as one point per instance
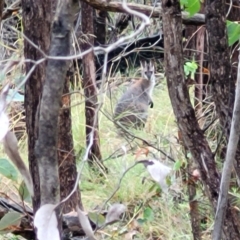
(132, 108)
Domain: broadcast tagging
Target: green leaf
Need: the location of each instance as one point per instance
(141, 221)
(8, 170)
(168, 180)
(155, 186)
(184, 2)
(191, 6)
(97, 218)
(23, 192)
(190, 68)
(233, 31)
(148, 214)
(10, 219)
(177, 165)
(186, 70)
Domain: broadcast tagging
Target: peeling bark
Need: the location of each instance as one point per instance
(193, 136)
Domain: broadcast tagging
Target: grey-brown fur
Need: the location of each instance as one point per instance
(132, 108)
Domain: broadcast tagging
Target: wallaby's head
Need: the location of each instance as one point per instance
(147, 70)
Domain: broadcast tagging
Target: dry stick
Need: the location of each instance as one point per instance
(228, 164)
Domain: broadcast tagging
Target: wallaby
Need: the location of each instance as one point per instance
(132, 108)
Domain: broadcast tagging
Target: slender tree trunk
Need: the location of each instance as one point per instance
(66, 155)
(89, 85)
(190, 34)
(46, 144)
(193, 202)
(193, 136)
(36, 25)
(100, 32)
(100, 20)
(223, 84)
(1, 9)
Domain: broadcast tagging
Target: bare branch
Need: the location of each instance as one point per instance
(155, 12)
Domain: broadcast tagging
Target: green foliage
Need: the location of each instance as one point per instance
(10, 219)
(8, 170)
(23, 192)
(190, 68)
(233, 31)
(148, 214)
(191, 6)
(97, 218)
(177, 165)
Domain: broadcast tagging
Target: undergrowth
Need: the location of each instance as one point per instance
(150, 214)
(170, 218)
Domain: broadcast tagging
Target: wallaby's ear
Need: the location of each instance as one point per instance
(151, 65)
(142, 64)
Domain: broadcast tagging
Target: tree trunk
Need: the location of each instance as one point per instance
(36, 25)
(46, 144)
(192, 186)
(1, 9)
(100, 20)
(193, 136)
(66, 155)
(89, 85)
(223, 84)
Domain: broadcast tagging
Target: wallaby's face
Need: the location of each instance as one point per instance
(148, 71)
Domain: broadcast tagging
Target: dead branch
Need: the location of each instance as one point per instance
(154, 12)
